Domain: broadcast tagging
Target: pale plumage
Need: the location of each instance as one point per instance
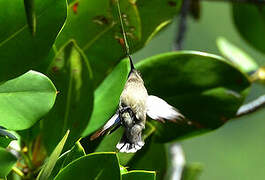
(134, 105)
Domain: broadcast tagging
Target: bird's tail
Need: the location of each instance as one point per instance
(128, 147)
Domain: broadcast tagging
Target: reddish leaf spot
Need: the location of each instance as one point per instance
(75, 6)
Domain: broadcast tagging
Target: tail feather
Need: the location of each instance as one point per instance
(128, 147)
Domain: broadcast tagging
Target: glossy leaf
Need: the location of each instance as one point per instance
(253, 32)
(24, 100)
(49, 165)
(76, 152)
(7, 161)
(102, 44)
(71, 73)
(205, 88)
(238, 57)
(99, 166)
(138, 174)
(19, 50)
(107, 97)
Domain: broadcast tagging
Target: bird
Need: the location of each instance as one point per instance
(134, 105)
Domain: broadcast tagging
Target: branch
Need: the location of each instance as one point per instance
(182, 25)
(251, 107)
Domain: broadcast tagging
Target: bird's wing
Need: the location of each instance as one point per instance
(158, 109)
(114, 120)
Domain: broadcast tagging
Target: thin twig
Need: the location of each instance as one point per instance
(182, 26)
(251, 107)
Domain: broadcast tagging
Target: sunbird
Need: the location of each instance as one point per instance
(134, 105)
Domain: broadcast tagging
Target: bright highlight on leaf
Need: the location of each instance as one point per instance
(25, 99)
(238, 57)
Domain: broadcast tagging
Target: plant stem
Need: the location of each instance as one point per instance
(251, 107)
(182, 25)
(17, 171)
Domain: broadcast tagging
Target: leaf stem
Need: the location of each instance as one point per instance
(182, 25)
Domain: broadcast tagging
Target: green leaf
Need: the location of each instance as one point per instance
(24, 100)
(98, 166)
(49, 165)
(7, 161)
(151, 21)
(71, 73)
(204, 87)
(19, 50)
(76, 152)
(238, 57)
(145, 158)
(31, 15)
(138, 174)
(191, 171)
(101, 45)
(107, 97)
(253, 32)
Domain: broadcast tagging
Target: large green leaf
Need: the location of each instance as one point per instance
(7, 161)
(238, 57)
(71, 73)
(95, 27)
(204, 87)
(107, 97)
(49, 165)
(138, 174)
(76, 152)
(19, 50)
(253, 32)
(100, 36)
(24, 100)
(98, 166)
